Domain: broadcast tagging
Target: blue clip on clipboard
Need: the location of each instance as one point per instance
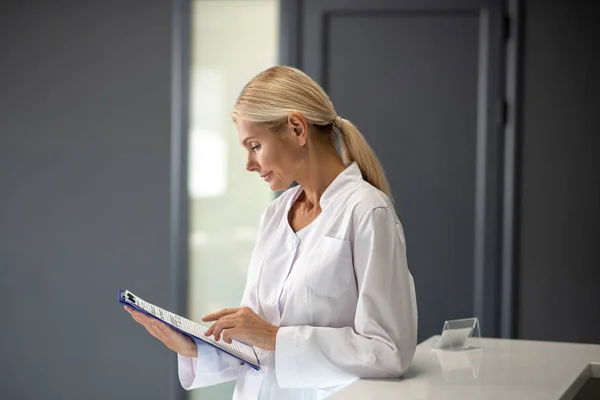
(237, 349)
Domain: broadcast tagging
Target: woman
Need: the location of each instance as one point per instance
(328, 297)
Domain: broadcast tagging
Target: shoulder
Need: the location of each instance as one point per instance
(363, 200)
(373, 213)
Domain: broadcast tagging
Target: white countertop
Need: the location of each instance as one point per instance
(499, 369)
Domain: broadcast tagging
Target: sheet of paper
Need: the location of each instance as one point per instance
(241, 350)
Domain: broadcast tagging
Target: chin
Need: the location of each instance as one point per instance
(278, 186)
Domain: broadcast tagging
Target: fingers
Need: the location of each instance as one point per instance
(229, 334)
(154, 331)
(165, 329)
(144, 320)
(219, 314)
(170, 337)
(217, 327)
(138, 316)
(155, 328)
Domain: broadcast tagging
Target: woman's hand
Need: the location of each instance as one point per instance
(173, 339)
(242, 324)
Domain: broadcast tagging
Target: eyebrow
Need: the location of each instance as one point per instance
(247, 140)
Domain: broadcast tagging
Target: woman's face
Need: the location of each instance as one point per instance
(271, 155)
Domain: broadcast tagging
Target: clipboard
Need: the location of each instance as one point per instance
(243, 352)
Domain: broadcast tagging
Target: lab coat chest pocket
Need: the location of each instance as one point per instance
(329, 268)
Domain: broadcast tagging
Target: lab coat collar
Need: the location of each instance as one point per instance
(352, 173)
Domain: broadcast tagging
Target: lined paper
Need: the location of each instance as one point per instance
(238, 349)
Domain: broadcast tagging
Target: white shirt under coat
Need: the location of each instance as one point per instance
(344, 299)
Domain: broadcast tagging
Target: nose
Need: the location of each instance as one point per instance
(251, 165)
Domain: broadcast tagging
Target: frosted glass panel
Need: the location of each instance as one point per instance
(231, 42)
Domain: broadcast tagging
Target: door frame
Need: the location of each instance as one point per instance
(181, 38)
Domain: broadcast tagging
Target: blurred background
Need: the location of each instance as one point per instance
(120, 167)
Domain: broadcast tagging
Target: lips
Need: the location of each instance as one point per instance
(266, 176)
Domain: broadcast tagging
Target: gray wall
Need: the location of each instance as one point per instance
(559, 267)
(85, 122)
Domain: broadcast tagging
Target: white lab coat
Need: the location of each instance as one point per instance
(350, 309)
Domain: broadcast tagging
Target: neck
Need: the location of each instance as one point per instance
(320, 169)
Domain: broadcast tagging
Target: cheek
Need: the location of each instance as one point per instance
(269, 159)
(262, 157)
(275, 156)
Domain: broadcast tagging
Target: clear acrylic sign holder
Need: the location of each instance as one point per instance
(456, 333)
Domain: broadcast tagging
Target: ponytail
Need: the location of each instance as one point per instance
(356, 148)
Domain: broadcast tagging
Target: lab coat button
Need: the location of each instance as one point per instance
(290, 246)
(371, 358)
(272, 299)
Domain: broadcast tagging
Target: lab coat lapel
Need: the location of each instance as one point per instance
(276, 267)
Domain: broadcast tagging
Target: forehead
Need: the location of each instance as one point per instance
(248, 130)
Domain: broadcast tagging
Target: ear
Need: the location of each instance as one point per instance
(299, 127)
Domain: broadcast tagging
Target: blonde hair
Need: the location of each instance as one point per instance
(273, 94)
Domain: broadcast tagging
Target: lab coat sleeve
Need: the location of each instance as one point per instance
(209, 368)
(213, 366)
(382, 342)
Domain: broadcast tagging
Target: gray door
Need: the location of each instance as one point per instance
(422, 81)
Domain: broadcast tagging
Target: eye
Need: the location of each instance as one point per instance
(256, 147)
